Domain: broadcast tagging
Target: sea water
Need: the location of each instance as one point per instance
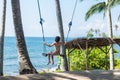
(35, 49)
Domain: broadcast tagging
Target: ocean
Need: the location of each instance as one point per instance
(35, 49)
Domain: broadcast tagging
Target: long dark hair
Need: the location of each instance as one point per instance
(57, 39)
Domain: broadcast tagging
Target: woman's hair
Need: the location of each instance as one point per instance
(57, 39)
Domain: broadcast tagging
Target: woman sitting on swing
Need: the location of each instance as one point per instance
(56, 51)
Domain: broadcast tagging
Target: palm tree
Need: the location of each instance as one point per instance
(60, 26)
(116, 28)
(99, 7)
(110, 33)
(25, 65)
(97, 31)
(105, 6)
(118, 17)
(114, 3)
(2, 30)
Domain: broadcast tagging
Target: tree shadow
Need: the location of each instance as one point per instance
(90, 75)
(99, 74)
(49, 76)
(70, 75)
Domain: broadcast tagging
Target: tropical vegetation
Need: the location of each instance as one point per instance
(106, 7)
(76, 60)
(98, 58)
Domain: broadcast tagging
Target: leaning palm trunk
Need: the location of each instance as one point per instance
(25, 65)
(60, 25)
(2, 30)
(108, 14)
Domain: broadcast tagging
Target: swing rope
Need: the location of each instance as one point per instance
(41, 23)
(70, 23)
(41, 20)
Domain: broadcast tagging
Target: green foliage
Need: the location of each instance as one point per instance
(97, 59)
(114, 2)
(90, 35)
(117, 64)
(95, 8)
(99, 7)
(95, 33)
(77, 60)
(103, 35)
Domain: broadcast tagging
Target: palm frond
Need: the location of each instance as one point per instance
(80, 0)
(114, 3)
(94, 9)
(118, 17)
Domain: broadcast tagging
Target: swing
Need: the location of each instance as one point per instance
(44, 53)
(70, 23)
(41, 23)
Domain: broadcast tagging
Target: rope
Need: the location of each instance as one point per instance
(41, 22)
(74, 10)
(70, 23)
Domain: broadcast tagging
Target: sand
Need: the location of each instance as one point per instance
(69, 75)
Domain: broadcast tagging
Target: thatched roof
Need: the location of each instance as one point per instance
(82, 43)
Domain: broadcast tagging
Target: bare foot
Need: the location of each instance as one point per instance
(52, 63)
(48, 63)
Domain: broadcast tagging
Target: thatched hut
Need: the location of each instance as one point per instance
(83, 43)
(86, 43)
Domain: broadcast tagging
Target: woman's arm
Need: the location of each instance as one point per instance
(49, 45)
(62, 43)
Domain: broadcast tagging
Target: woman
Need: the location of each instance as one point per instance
(56, 51)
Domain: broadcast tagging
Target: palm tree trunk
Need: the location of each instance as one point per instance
(2, 31)
(108, 14)
(25, 65)
(60, 26)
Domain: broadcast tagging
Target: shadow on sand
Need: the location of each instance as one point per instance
(70, 75)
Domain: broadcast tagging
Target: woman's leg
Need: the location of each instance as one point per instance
(48, 59)
(52, 56)
(49, 54)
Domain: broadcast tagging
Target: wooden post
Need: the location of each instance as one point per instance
(86, 55)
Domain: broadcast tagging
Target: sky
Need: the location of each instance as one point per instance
(80, 27)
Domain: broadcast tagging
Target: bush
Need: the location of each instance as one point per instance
(97, 59)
